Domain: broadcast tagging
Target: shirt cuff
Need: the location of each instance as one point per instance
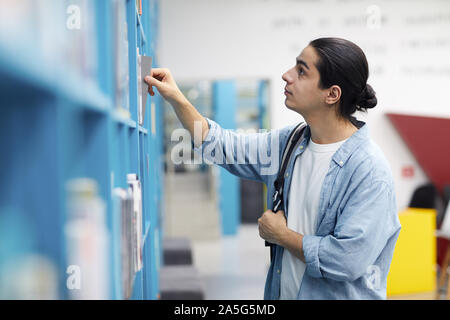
(212, 128)
(311, 253)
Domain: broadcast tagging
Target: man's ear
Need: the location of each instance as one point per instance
(333, 95)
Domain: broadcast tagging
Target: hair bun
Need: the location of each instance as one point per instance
(367, 99)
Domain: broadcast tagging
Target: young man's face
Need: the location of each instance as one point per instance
(302, 91)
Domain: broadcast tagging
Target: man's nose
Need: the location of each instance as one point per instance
(286, 77)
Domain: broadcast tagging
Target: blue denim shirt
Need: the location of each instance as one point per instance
(357, 224)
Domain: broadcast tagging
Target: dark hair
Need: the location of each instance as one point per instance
(343, 63)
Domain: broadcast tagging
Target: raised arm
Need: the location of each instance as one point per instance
(188, 115)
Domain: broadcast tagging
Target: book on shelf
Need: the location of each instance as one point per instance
(146, 69)
(87, 241)
(134, 186)
(121, 61)
(128, 204)
(124, 205)
(79, 40)
(139, 85)
(58, 36)
(139, 7)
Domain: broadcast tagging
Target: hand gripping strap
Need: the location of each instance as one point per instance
(294, 138)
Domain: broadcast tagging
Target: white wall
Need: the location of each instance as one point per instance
(407, 44)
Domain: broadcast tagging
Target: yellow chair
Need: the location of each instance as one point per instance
(413, 267)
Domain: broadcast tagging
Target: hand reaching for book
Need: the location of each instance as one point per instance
(163, 81)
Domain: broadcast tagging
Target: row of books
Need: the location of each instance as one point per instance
(59, 35)
(26, 272)
(121, 49)
(64, 36)
(89, 242)
(120, 37)
(129, 207)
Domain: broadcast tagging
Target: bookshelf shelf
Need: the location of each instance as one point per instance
(31, 75)
(61, 112)
(19, 70)
(87, 96)
(143, 130)
(123, 119)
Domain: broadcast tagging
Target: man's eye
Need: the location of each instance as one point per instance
(301, 71)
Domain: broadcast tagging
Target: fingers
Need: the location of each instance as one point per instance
(156, 76)
(271, 212)
(156, 79)
(260, 229)
(151, 82)
(264, 215)
(160, 73)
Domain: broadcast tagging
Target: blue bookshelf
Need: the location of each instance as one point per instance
(57, 125)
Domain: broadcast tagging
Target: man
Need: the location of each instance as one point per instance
(336, 237)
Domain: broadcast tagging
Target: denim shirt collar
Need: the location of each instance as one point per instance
(345, 151)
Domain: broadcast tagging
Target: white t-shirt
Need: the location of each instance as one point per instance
(310, 170)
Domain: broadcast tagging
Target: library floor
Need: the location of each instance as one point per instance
(233, 267)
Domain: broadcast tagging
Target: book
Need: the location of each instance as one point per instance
(86, 224)
(146, 69)
(121, 61)
(140, 85)
(136, 191)
(127, 249)
(139, 7)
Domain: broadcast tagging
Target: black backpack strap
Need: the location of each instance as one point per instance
(293, 139)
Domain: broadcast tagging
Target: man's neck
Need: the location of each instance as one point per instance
(330, 129)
